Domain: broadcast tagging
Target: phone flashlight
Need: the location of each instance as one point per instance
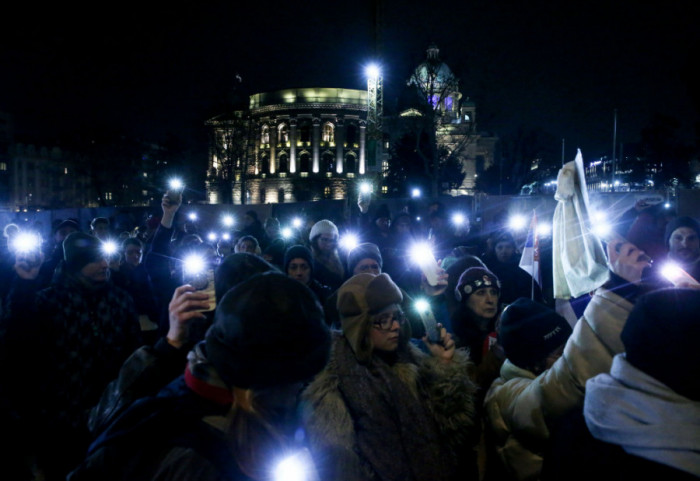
(675, 274)
(176, 185)
(26, 242)
(212, 236)
(426, 314)
(192, 216)
(200, 275)
(349, 241)
(296, 222)
(458, 218)
(109, 248)
(422, 255)
(227, 220)
(287, 232)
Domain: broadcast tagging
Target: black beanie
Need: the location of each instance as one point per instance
(298, 251)
(236, 268)
(678, 222)
(530, 331)
(475, 278)
(268, 330)
(366, 250)
(80, 249)
(661, 338)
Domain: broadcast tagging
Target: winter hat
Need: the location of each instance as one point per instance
(275, 251)
(237, 268)
(298, 252)
(323, 227)
(661, 336)
(358, 298)
(80, 249)
(683, 221)
(67, 223)
(475, 278)
(365, 250)
(268, 330)
(530, 331)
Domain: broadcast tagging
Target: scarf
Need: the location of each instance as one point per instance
(643, 416)
(395, 431)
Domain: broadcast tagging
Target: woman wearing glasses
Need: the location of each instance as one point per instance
(383, 408)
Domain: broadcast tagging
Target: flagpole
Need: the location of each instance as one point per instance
(532, 277)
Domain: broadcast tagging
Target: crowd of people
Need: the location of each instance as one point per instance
(264, 356)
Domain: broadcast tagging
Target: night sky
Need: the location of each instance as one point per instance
(153, 73)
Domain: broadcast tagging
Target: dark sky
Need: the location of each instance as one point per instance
(561, 66)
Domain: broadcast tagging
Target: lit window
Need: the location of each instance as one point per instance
(283, 133)
(108, 195)
(328, 132)
(144, 193)
(3, 165)
(264, 135)
(145, 174)
(448, 104)
(385, 189)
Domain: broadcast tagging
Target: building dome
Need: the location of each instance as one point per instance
(434, 73)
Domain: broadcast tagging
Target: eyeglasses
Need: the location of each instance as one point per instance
(385, 321)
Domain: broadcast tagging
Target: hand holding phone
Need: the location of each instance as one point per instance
(432, 330)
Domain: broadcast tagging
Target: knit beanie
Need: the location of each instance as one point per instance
(298, 252)
(237, 268)
(358, 298)
(530, 331)
(323, 227)
(366, 250)
(268, 330)
(678, 222)
(80, 249)
(475, 278)
(661, 338)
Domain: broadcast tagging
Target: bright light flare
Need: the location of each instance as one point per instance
(544, 229)
(349, 241)
(212, 236)
(421, 306)
(26, 242)
(372, 71)
(459, 219)
(517, 222)
(227, 220)
(297, 222)
(293, 468)
(109, 247)
(415, 193)
(192, 216)
(422, 253)
(226, 236)
(176, 184)
(194, 264)
(287, 232)
(365, 188)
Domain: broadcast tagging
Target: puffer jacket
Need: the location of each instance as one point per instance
(588, 352)
(515, 454)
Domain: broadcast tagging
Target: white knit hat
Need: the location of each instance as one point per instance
(323, 227)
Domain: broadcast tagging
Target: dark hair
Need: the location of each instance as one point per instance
(129, 241)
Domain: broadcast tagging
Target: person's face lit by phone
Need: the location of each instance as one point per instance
(484, 302)
(299, 270)
(684, 245)
(386, 326)
(133, 255)
(367, 266)
(327, 243)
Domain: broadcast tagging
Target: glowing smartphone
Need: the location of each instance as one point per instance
(426, 315)
(676, 275)
(202, 280)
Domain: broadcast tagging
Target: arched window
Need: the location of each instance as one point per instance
(284, 162)
(351, 135)
(265, 134)
(350, 164)
(265, 162)
(282, 133)
(328, 161)
(305, 132)
(328, 132)
(304, 162)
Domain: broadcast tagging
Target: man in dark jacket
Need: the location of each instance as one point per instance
(72, 338)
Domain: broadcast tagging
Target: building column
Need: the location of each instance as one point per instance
(273, 145)
(363, 137)
(315, 141)
(339, 141)
(292, 145)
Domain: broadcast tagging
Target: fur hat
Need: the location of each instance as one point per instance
(298, 252)
(475, 278)
(80, 249)
(661, 336)
(678, 222)
(358, 298)
(268, 330)
(323, 227)
(530, 331)
(365, 250)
